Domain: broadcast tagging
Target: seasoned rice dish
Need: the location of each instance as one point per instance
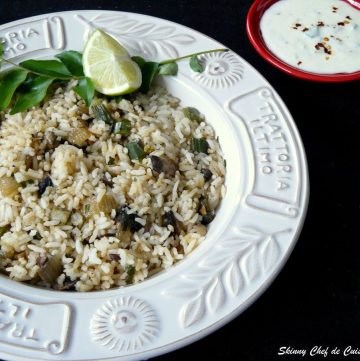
(104, 197)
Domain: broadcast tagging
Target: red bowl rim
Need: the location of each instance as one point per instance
(254, 34)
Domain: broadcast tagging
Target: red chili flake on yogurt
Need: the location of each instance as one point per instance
(335, 9)
(319, 46)
(349, 17)
(341, 23)
(299, 63)
(296, 26)
(320, 23)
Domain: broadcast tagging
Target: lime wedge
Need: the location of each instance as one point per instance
(109, 65)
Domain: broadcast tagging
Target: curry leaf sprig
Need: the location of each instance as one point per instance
(150, 69)
(26, 84)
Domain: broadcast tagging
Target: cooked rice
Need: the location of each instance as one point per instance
(94, 253)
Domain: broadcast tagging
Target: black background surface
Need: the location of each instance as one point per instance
(315, 299)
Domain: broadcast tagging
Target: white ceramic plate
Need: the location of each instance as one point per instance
(248, 242)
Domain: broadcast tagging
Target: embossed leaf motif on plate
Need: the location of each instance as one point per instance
(238, 260)
(147, 39)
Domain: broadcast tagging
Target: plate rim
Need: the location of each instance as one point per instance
(269, 279)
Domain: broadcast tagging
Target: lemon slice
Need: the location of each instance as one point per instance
(109, 65)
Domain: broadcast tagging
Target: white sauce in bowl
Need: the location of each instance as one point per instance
(319, 36)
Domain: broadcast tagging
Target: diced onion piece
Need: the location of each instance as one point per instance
(28, 162)
(51, 269)
(124, 236)
(8, 186)
(60, 215)
(90, 207)
(107, 204)
(148, 148)
(79, 136)
(4, 229)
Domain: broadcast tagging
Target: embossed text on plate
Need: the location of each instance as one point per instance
(33, 36)
(42, 327)
(277, 180)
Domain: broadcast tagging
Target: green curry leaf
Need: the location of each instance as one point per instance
(50, 68)
(73, 61)
(168, 69)
(86, 90)
(36, 92)
(2, 49)
(9, 82)
(139, 60)
(148, 71)
(196, 65)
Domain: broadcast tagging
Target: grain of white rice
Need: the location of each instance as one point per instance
(36, 248)
(51, 223)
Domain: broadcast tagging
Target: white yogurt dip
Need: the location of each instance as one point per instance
(319, 36)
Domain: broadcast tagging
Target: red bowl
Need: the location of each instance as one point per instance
(254, 33)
